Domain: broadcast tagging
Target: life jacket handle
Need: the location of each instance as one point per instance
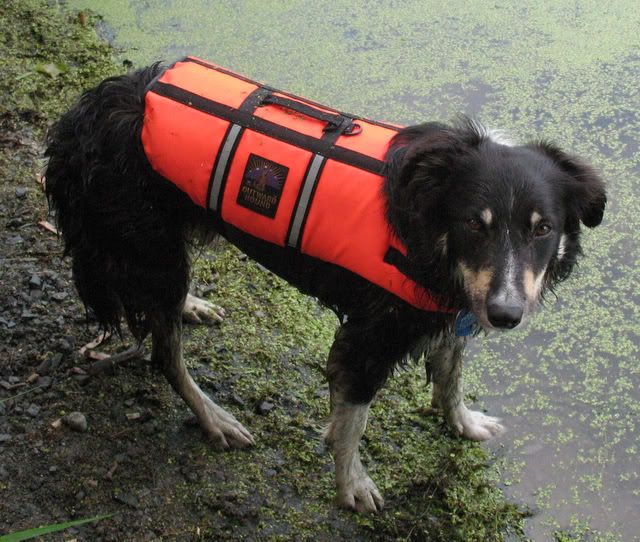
(335, 121)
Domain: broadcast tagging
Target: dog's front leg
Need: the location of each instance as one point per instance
(223, 429)
(446, 365)
(347, 424)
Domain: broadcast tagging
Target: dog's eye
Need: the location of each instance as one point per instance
(474, 224)
(541, 230)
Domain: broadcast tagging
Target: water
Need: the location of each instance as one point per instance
(568, 386)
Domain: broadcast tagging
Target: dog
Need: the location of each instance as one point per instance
(488, 226)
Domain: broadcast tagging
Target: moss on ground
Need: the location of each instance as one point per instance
(48, 59)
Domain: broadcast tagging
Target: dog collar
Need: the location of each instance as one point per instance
(466, 324)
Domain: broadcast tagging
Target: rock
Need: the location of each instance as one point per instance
(44, 382)
(127, 498)
(53, 469)
(265, 407)
(44, 367)
(14, 240)
(3, 473)
(210, 288)
(237, 400)
(35, 282)
(33, 410)
(76, 421)
(67, 344)
(2, 409)
(13, 380)
(21, 192)
(55, 361)
(4, 437)
(59, 296)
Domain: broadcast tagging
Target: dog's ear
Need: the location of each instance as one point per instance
(430, 150)
(585, 190)
(419, 166)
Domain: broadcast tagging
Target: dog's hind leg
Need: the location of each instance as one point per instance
(200, 311)
(446, 365)
(223, 429)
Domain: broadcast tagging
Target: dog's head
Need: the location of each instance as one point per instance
(489, 225)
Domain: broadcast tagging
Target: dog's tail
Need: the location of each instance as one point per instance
(122, 224)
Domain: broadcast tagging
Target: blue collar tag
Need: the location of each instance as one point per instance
(465, 324)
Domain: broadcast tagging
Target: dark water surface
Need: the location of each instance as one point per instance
(568, 386)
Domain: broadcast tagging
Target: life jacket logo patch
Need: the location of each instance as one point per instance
(262, 185)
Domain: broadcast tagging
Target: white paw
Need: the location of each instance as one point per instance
(476, 425)
(223, 429)
(199, 311)
(360, 494)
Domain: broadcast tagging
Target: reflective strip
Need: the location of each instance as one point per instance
(221, 166)
(305, 198)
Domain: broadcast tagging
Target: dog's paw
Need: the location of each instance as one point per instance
(224, 431)
(361, 494)
(199, 311)
(475, 425)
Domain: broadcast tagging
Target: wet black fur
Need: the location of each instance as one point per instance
(129, 231)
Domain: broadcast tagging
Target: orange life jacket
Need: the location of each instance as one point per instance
(279, 167)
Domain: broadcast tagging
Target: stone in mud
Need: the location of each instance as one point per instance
(76, 421)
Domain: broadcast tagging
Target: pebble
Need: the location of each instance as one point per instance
(76, 421)
(4, 437)
(3, 473)
(43, 382)
(56, 360)
(265, 407)
(14, 240)
(21, 192)
(35, 282)
(128, 499)
(44, 367)
(33, 410)
(237, 400)
(60, 296)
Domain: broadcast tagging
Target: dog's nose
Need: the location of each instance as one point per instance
(504, 316)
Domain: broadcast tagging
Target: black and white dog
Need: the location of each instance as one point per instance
(489, 226)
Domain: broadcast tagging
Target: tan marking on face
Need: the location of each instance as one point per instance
(533, 284)
(535, 218)
(477, 282)
(486, 216)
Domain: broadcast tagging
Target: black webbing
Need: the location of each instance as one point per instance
(247, 120)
